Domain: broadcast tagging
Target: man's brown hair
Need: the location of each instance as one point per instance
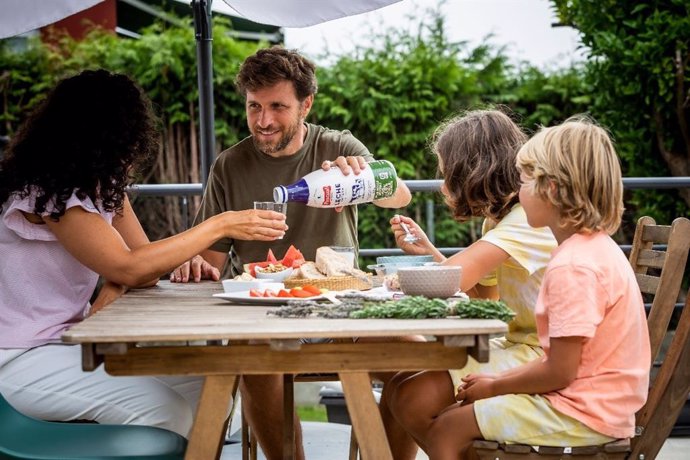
(269, 66)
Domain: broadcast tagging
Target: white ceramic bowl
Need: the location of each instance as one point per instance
(409, 260)
(430, 281)
(230, 285)
(273, 276)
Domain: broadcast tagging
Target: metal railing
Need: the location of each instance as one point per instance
(185, 191)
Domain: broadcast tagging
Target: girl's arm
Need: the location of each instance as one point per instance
(100, 246)
(478, 260)
(537, 377)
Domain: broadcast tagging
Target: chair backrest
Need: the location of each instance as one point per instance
(670, 387)
(670, 264)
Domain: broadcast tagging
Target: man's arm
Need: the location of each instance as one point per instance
(355, 165)
(400, 198)
(215, 258)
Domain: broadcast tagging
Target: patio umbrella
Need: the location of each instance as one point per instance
(19, 16)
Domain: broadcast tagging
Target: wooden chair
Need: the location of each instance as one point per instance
(659, 274)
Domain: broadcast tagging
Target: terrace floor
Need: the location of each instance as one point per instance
(331, 441)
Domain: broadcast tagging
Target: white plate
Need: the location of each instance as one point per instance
(242, 285)
(243, 297)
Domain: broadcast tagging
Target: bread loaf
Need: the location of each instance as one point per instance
(332, 263)
(309, 271)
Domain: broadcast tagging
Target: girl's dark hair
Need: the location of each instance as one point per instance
(87, 136)
(275, 64)
(476, 153)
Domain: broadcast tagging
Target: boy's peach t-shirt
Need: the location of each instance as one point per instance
(589, 290)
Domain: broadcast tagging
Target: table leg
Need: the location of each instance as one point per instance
(288, 417)
(364, 414)
(206, 437)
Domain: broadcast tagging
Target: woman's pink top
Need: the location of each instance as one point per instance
(589, 290)
(43, 289)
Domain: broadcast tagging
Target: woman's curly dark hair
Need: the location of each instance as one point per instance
(87, 137)
(476, 153)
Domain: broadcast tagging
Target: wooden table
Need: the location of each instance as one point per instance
(126, 336)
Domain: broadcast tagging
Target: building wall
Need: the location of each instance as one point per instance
(103, 14)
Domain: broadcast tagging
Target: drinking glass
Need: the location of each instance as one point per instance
(272, 206)
(347, 251)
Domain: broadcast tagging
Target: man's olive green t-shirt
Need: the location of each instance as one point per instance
(242, 175)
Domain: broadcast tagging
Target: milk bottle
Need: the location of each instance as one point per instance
(330, 189)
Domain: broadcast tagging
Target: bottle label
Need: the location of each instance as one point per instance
(385, 179)
(327, 195)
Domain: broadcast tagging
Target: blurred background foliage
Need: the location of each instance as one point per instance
(393, 93)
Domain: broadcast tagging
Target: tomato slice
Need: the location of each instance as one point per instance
(298, 292)
(313, 290)
(270, 293)
(283, 293)
(255, 293)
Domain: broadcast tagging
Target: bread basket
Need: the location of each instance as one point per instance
(332, 283)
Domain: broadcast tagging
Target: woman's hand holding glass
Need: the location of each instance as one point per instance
(254, 224)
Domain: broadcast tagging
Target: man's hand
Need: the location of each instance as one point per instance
(346, 165)
(199, 269)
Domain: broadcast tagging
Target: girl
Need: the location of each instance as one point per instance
(476, 156)
(64, 220)
(590, 315)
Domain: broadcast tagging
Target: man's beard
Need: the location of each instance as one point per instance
(282, 143)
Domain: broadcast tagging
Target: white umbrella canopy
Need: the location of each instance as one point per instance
(19, 16)
(302, 13)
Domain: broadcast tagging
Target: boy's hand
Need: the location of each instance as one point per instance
(476, 387)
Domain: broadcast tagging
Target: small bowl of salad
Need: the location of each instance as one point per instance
(274, 272)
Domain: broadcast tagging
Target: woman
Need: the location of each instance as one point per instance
(65, 220)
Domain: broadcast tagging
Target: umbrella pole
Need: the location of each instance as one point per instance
(204, 44)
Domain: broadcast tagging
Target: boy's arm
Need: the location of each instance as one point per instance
(538, 377)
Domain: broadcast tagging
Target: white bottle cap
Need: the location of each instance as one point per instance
(280, 194)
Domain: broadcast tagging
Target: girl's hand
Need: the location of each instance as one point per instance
(476, 387)
(254, 224)
(420, 247)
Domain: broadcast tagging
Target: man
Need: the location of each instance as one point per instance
(279, 87)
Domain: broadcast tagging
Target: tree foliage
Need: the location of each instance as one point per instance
(638, 72)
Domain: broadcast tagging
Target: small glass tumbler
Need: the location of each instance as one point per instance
(347, 251)
(272, 206)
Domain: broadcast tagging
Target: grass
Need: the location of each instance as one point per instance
(312, 413)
